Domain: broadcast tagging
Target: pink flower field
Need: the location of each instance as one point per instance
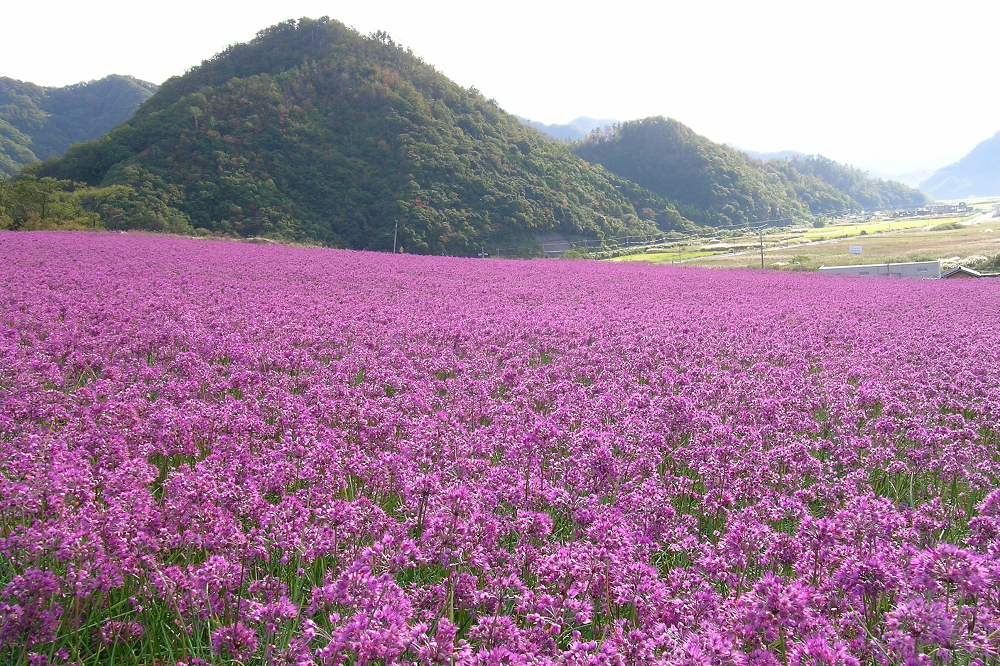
(215, 453)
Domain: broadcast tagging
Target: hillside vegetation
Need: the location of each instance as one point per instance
(975, 175)
(314, 132)
(37, 122)
(721, 186)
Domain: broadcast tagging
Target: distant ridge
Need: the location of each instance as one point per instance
(37, 123)
(575, 130)
(975, 175)
(779, 155)
(589, 124)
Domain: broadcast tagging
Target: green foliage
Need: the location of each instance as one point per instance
(38, 123)
(29, 203)
(947, 226)
(14, 152)
(991, 265)
(314, 132)
(721, 186)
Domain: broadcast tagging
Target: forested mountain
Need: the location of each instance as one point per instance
(312, 131)
(871, 193)
(37, 123)
(721, 186)
(975, 175)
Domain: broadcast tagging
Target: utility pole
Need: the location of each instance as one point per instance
(395, 233)
(762, 249)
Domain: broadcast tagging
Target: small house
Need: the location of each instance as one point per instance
(962, 272)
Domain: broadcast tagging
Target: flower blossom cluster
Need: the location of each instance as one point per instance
(216, 452)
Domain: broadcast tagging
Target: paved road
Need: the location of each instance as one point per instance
(977, 220)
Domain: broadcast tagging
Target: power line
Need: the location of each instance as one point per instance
(638, 241)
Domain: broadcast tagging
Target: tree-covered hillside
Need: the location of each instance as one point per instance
(975, 175)
(312, 131)
(721, 186)
(870, 193)
(37, 123)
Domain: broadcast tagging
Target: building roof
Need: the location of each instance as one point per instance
(961, 270)
(882, 265)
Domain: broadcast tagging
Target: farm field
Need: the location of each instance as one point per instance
(664, 256)
(874, 227)
(854, 232)
(919, 244)
(218, 453)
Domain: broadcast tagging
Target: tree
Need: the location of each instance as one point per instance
(29, 202)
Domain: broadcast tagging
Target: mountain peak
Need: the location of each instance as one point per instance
(313, 131)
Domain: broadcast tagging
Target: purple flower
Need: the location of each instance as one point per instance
(237, 641)
(327, 457)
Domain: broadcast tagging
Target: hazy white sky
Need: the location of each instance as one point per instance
(904, 84)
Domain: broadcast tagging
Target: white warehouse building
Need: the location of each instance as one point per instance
(910, 269)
